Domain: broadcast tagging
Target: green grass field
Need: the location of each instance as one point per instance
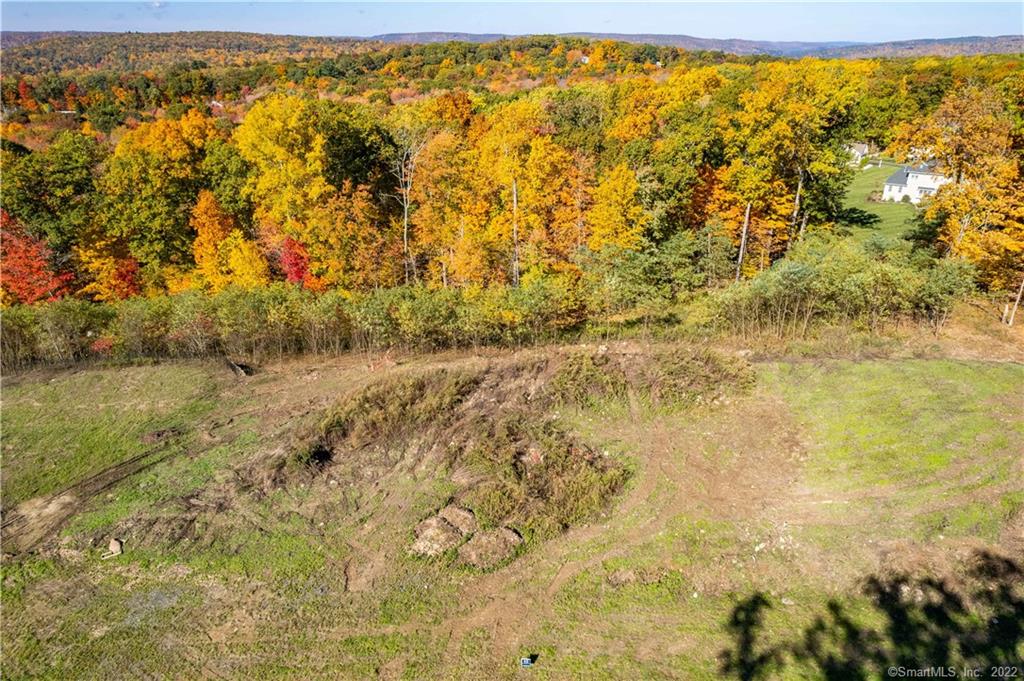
(893, 218)
(792, 492)
(58, 432)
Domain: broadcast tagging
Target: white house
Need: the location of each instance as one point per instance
(913, 184)
(857, 152)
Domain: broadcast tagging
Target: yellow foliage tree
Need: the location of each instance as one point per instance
(504, 148)
(244, 265)
(212, 226)
(279, 136)
(968, 136)
(347, 245)
(223, 255)
(980, 213)
(617, 218)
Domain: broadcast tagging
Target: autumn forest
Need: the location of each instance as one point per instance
(457, 192)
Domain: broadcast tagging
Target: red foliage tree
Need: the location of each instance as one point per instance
(294, 260)
(25, 272)
(295, 264)
(25, 95)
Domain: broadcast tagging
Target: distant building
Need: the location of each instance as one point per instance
(858, 152)
(913, 184)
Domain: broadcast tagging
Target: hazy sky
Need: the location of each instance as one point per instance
(858, 21)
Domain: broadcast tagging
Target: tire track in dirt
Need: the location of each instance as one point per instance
(31, 522)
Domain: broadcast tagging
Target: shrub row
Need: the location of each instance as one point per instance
(282, 319)
(820, 280)
(838, 281)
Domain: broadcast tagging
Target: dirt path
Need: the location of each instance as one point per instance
(752, 476)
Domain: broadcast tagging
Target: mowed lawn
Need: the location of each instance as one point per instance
(894, 219)
(937, 440)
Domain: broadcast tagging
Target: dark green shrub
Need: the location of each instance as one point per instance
(429, 319)
(19, 336)
(67, 328)
(326, 323)
(193, 328)
(948, 282)
(373, 318)
(141, 326)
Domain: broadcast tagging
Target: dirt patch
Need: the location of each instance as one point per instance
(628, 576)
(36, 520)
(159, 436)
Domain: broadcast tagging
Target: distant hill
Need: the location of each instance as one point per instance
(729, 45)
(939, 47)
(439, 37)
(41, 51)
(16, 38)
(1005, 44)
(686, 42)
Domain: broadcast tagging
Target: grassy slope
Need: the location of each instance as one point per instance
(58, 432)
(787, 490)
(950, 427)
(893, 217)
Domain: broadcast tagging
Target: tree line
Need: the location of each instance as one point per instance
(627, 189)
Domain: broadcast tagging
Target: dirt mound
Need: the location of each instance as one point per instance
(666, 376)
(517, 471)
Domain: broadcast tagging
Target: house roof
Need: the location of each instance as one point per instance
(925, 169)
(898, 178)
(859, 147)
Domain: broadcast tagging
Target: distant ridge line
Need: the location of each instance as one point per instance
(964, 45)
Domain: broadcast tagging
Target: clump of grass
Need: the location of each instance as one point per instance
(673, 376)
(392, 408)
(584, 379)
(537, 478)
(684, 374)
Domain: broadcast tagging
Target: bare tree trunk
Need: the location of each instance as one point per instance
(743, 241)
(966, 220)
(404, 170)
(1016, 303)
(515, 232)
(803, 225)
(409, 264)
(796, 203)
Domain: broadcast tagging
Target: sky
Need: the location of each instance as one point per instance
(757, 20)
